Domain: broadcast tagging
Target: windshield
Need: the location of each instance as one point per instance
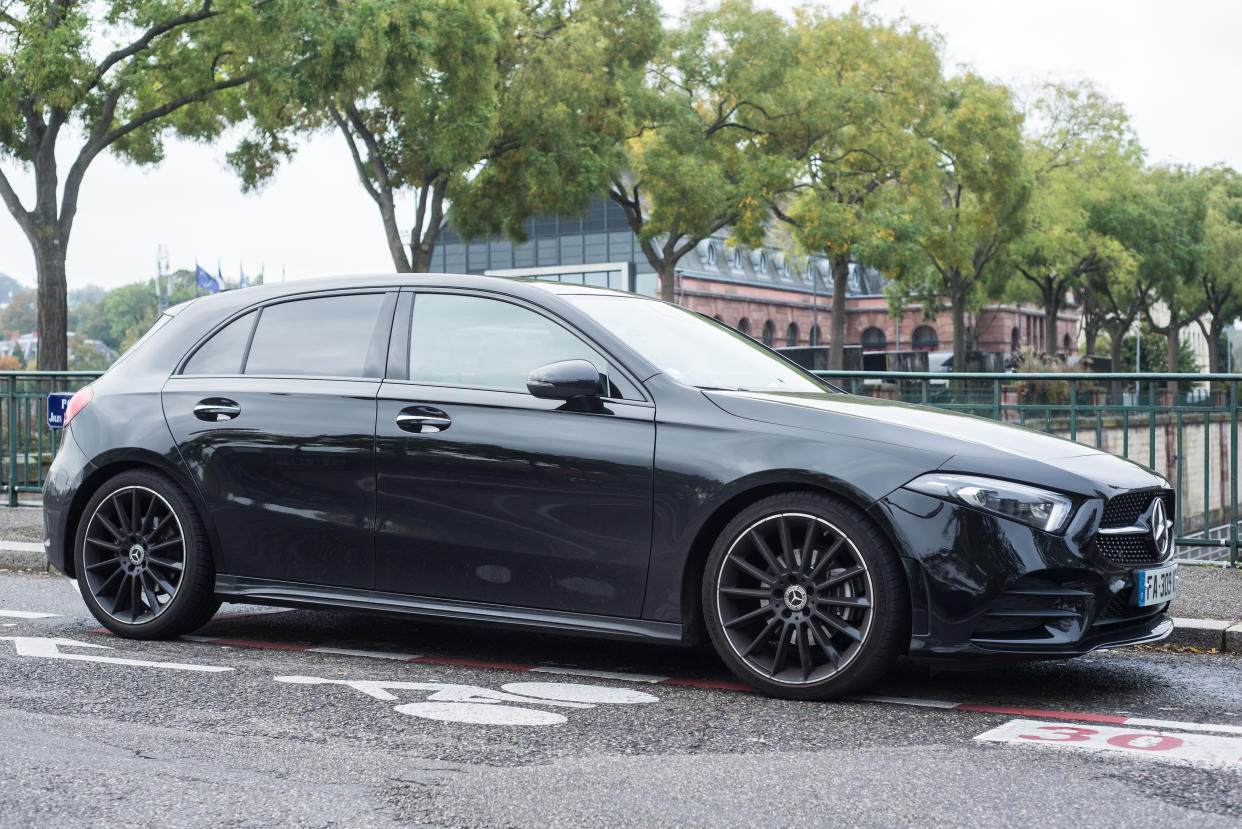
(692, 349)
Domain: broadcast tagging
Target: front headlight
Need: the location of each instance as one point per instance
(1039, 508)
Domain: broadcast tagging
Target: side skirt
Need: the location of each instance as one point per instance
(265, 591)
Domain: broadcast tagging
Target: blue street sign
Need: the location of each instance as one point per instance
(57, 405)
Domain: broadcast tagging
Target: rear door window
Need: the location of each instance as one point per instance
(223, 353)
(324, 337)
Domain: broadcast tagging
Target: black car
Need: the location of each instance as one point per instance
(560, 457)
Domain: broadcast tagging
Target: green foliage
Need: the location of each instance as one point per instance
(1081, 150)
(861, 90)
(84, 356)
(20, 316)
(1154, 354)
(502, 108)
(122, 75)
(969, 193)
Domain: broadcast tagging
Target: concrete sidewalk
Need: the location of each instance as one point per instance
(1207, 612)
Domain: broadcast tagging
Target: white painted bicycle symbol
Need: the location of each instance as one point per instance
(483, 706)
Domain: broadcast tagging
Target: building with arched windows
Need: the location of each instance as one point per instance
(783, 299)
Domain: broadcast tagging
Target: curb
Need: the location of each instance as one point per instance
(1206, 634)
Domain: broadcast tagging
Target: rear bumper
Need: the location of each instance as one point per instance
(64, 477)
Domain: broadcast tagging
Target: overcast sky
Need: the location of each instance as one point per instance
(1176, 67)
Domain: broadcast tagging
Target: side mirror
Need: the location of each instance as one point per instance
(565, 380)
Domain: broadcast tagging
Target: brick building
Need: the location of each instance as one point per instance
(763, 292)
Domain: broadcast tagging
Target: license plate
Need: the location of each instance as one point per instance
(1155, 586)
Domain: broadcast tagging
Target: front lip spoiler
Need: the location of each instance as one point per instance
(1143, 633)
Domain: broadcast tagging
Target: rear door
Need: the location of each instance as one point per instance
(275, 418)
(487, 493)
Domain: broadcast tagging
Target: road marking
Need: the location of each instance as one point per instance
(401, 657)
(48, 648)
(475, 713)
(26, 614)
(21, 546)
(725, 685)
(1078, 716)
(649, 679)
(476, 705)
(568, 692)
(1197, 749)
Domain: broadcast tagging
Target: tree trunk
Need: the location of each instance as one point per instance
(1091, 334)
(1051, 303)
(668, 281)
(53, 307)
(959, 330)
(836, 342)
(421, 249)
(1116, 334)
(1172, 351)
(1213, 348)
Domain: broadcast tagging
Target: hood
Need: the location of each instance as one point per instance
(966, 443)
(899, 423)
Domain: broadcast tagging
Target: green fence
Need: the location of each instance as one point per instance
(29, 445)
(1185, 426)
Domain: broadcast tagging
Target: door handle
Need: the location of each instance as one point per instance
(215, 409)
(423, 419)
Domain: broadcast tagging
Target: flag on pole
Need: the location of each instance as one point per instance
(220, 276)
(206, 281)
(242, 271)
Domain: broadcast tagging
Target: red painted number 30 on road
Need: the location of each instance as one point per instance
(1075, 734)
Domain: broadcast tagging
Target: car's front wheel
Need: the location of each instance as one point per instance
(804, 598)
(142, 558)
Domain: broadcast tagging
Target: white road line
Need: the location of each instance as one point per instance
(1185, 726)
(401, 657)
(622, 677)
(919, 703)
(1161, 746)
(49, 648)
(21, 546)
(26, 614)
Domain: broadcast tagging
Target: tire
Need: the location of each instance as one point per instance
(805, 627)
(143, 560)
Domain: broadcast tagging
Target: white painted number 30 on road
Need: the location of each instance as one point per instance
(483, 706)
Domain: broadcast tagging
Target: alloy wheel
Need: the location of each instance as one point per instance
(134, 554)
(795, 598)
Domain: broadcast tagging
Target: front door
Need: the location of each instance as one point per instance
(487, 493)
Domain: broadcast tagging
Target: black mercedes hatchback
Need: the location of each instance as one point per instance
(559, 457)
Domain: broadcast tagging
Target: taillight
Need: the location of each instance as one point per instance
(78, 402)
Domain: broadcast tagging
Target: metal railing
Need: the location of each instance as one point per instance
(1149, 418)
(29, 445)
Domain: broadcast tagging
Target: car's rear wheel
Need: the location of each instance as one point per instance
(142, 557)
(804, 598)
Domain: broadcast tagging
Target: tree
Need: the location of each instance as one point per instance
(1080, 147)
(21, 315)
(699, 155)
(1172, 256)
(859, 89)
(1220, 272)
(111, 76)
(1114, 296)
(1152, 355)
(85, 356)
(971, 195)
(500, 108)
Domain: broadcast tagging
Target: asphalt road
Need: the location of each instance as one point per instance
(279, 738)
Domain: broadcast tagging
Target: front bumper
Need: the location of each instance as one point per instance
(983, 586)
